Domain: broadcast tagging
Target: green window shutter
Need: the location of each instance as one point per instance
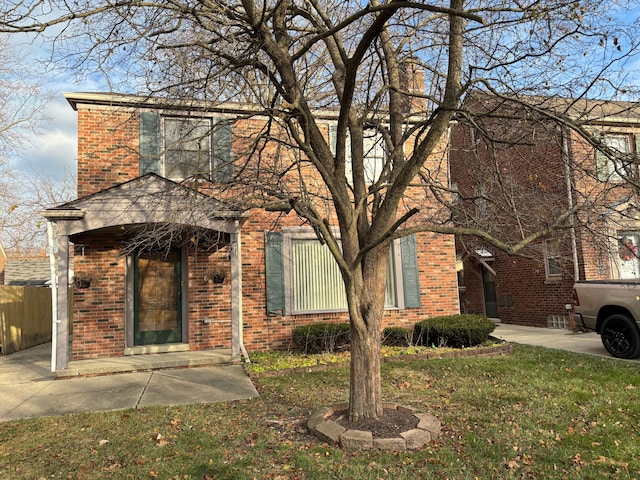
(274, 266)
(410, 277)
(149, 142)
(222, 152)
(603, 168)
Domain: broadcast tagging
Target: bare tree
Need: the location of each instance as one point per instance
(290, 58)
(23, 101)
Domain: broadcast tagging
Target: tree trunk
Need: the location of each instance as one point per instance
(365, 400)
(366, 308)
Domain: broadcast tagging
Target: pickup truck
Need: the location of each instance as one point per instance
(612, 309)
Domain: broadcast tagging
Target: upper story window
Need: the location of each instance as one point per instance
(375, 154)
(615, 169)
(186, 148)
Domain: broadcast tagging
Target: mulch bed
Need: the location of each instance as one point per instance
(390, 425)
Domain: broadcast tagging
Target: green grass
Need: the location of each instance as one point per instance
(535, 413)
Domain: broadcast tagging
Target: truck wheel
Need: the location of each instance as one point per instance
(620, 336)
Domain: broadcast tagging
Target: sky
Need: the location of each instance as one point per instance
(54, 148)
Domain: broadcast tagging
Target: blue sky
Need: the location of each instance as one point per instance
(54, 148)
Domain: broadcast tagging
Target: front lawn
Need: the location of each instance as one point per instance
(535, 413)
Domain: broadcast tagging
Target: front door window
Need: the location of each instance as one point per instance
(158, 295)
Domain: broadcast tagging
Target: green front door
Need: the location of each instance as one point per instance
(490, 300)
(158, 295)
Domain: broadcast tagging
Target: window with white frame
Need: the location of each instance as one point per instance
(187, 148)
(303, 277)
(315, 280)
(628, 260)
(553, 260)
(613, 169)
(374, 154)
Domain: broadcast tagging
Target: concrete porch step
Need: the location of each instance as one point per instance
(151, 361)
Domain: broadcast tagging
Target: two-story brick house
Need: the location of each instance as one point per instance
(227, 278)
(519, 172)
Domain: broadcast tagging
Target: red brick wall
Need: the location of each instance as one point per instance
(107, 148)
(533, 176)
(108, 143)
(99, 311)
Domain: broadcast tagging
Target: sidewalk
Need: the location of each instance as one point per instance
(28, 388)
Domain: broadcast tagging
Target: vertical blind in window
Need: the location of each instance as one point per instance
(316, 282)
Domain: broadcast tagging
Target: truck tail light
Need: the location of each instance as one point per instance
(576, 300)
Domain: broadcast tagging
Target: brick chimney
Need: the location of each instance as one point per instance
(412, 86)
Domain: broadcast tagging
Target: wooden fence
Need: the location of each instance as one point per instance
(25, 317)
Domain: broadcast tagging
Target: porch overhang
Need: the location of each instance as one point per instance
(144, 200)
(149, 199)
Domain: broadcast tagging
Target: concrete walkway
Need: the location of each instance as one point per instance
(29, 389)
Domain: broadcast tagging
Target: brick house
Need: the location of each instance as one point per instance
(545, 169)
(232, 279)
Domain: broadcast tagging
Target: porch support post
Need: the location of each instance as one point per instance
(236, 292)
(62, 331)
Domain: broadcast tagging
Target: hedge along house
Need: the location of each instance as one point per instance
(163, 262)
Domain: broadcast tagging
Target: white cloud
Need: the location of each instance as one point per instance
(54, 148)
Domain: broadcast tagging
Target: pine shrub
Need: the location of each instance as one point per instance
(454, 331)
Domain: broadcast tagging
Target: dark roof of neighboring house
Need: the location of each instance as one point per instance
(585, 111)
(27, 272)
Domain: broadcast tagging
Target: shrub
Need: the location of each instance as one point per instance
(396, 337)
(453, 331)
(321, 337)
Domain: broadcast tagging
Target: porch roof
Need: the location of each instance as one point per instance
(146, 199)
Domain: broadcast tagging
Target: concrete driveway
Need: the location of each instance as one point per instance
(28, 388)
(588, 342)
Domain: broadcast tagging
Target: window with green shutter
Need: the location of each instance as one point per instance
(303, 277)
(182, 148)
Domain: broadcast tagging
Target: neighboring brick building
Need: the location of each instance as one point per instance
(544, 169)
(130, 163)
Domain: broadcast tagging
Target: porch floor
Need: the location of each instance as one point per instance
(150, 361)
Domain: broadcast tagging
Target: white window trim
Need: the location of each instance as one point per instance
(305, 233)
(548, 257)
(373, 164)
(165, 148)
(611, 164)
(629, 269)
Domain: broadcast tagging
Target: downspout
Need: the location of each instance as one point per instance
(568, 174)
(237, 341)
(245, 354)
(54, 294)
